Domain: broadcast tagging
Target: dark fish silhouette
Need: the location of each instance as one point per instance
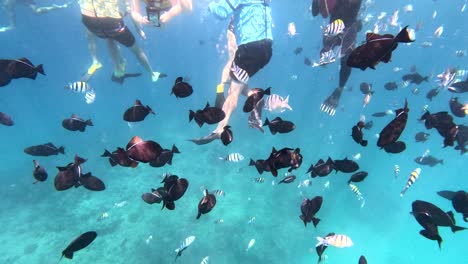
(279, 125)
(444, 124)
(358, 177)
(459, 201)
(298, 50)
(439, 217)
(284, 158)
(362, 260)
(368, 125)
(181, 89)
(366, 88)
(226, 135)
(320, 249)
(321, 168)
(210, 115)
(39, 172)
(6, 119)
(288, 179)
(121, 79)
(91, 182)
(346, 165)
(357, 134)
(309, 208)
(165, 157)
(20, 68)
(79, 243)
(459, 87)
(69, 175)
(395, 147)
(74, 123)
(120, 157)
(307, 61)
(47, 149)
(421, 137)
(143, 151)
(415, 78)
(206, 204)
(432, 93)
(174, 188)
(255, 96)
(378, 48)
(391, 86)
(461, 138)
(430, 231)
(137, 113)
(261, 165)
(156, 196)
(393, 130)
(379, 114)
(456, 107)
(428, 160)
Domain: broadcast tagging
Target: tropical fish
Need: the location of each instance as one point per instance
(226, 135)
(187, 242)
(392, 131)
(459, 201)
(288, 179)
(6, 119)
(181, 89)
(205, 260)
(412, 178)
(251, 243)
(358, 193)
(79, 243)
(210, 115)
(334, 28)
(255, 95)
(396, 170)
(47, 149)
(439, 217)
(279, 125)
(120, 157)
(233, 157)
(292, 29)
(137, 112)
(358, 177)
(19, 68)
(39, 172)
(165, 157)
(277, 104)
(339, 241)
(143, 151)
(206, 204)
(74, 123)
(357, 134)
(78, 87)
(309, 208)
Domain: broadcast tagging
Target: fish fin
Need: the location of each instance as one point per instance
(457, 228)
(175, 149)
(321, 241)
(450, 214)
(303, 219)
(267, 122)
(150, 110)
(447, 194)
(268, 91)
(404, 36)
(61, 150)
(191, 115)
(363, 143)
(178, 80)
(441, 162)
(273, 132)
(40, 69)
(106, 153)
(89, 122)
(199, 122)
(198, 215)
(112, 162)
(315, 221)
(274, 172)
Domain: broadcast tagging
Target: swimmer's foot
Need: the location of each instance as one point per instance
(206, 139)
(95, 66)
(121, 78)
(331, 103)
(155, 76)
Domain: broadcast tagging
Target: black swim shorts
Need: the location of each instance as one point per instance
(250, 58)
(108, 27)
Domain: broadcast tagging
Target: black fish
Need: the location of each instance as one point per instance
(444, 124)
(321, 168)
(260, 165)
(74, 123)
(432, 93)
(226, 135)
(181, 89)
(362, 260)
(288, 179)
(358, 177)
(378, 48)
(175, 188)
(279, 125)
(307, 61)
(414, 78)
(210, 115)
(284, 158)
(47, 149)
(428, 160)
(346, 165)
(391, 86)
(379, 114)
(357, 134)
(366, 88)
(459, 87)
(137, 113)
(6, 119)
(309, 208)
(321, 248)
(430, 231)
(143, 151)
(298, 50)
(91, 182)
(421, 137)
(39, 173)
(20, 68)
(439, 217)
(165, 157)
(255, 95)
(156, 196)
(120, 157)
(368, 125)
(456, 107)
(461, 138)
(206, 204)
(459, 201)
(69, 175)
(391, 132)
(79, 243)
(395, 147)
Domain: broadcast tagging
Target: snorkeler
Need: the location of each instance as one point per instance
(103, 18)
(9, 6)
(347, 11)
(254, 41)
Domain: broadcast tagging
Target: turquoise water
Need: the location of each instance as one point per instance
(38, 222)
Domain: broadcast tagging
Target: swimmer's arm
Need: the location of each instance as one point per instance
(220, 9)
(137, 18)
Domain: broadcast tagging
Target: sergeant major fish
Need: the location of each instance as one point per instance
(277, 104)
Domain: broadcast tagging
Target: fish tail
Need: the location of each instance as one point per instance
(267, 122)
(89, 122)
(441, 162)
(150, 110)
(61, 150)
(106, 153)
(198, 215)
(268, 91)
(321, 241)
(303, 219)
(191, 115)
(315, 221)
(175, 149)
(404, 36)
(457, 228)
(251, 162)
(40, 69)
(364, 143)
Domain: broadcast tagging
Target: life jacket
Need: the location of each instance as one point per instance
(160, 5)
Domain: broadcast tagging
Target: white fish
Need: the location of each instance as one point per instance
(396, 170)
(408, 8)
(251, 243)
(381, 15)
(78, 87)
(121, 204)
(326, 185)
(366, 100)
(447, 77)
(205, 260)
(90, 96)
(103, 216)
(463, 8)
(251, 220)
(339, 241)
(292, 29)
(438, 32)
(357, 156)
(277, 104)
(233, 157)
(325, 58)
(460, 53)
(189, 240)
(394, 19)
(219, 192)
(293, 77)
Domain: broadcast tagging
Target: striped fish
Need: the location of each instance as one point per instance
(396, 170)
(219, 192)
(358, 193)
(259, 180)
(90, 96)
(233, 157)
(251, 220)
(339, 241)
(205, 260)
(189, 240)
(412, 178)
(277, 104)
(334, 28)
(78, 87)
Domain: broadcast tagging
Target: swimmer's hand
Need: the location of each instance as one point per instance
(136, 16)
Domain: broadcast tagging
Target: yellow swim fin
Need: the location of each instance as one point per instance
(94, 67)
(220, 88)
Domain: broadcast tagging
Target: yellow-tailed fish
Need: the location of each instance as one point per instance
(412, 178)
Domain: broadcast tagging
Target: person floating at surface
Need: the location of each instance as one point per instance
(9, 6)
(252, 28)
(103, 18)
(347, 11)
(159, 12)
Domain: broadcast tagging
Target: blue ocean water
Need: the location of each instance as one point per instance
(38, 222)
